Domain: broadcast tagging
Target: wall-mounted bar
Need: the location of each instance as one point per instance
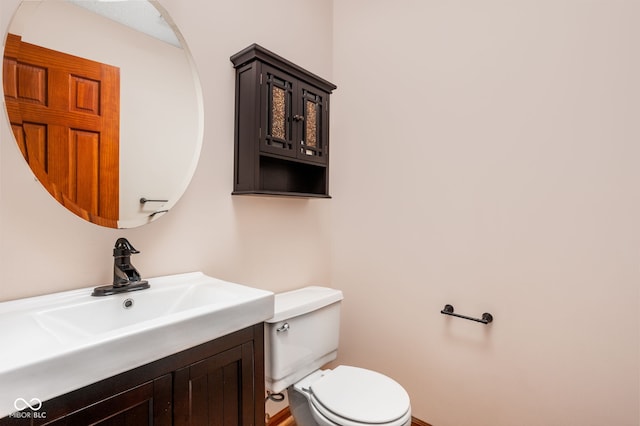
(486, 317)
(158, 212)
(147, 200)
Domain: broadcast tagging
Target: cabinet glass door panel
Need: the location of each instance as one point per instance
(278, 116)
(312, 142)
(278, 125)
(311, 124)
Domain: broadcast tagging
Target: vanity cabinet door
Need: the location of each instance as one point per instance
(218, 390)
(146, 404)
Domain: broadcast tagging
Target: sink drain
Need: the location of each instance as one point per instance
(127, 304)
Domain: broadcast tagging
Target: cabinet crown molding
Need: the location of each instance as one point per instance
(257, 52)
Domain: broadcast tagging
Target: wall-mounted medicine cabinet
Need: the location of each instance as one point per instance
(281, 127)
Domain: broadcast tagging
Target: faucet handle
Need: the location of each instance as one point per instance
(123, 248)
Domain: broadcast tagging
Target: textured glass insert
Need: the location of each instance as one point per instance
(278, 112)
(311, 121)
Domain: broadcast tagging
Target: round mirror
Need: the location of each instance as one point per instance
(105, 106)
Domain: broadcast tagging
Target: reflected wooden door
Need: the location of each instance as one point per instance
(65, 114)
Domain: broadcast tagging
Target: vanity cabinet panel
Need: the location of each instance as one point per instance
(281, 127)
(220, 382)
(217, 390)
(147, 404)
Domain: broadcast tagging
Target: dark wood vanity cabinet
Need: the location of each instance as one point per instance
(281, 126)
(220, 382)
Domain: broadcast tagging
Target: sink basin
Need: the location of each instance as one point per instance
(105, 314)
(56, 343)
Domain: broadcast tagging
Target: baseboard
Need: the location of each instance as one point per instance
(283, 418)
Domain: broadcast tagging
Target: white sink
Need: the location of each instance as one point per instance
(60, 342)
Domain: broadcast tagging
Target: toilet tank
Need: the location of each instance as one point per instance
(302, 335)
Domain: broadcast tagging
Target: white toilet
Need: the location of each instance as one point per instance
(301, 337)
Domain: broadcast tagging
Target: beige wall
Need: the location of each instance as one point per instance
(485, 154)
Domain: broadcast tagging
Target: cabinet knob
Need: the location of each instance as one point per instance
(298, 117)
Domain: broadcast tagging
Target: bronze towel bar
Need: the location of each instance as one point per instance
(486, 317)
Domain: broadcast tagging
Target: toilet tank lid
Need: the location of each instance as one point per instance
(304, 300)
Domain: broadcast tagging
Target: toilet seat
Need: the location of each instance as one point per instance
(352, 396)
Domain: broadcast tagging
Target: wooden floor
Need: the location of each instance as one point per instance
(283, 418)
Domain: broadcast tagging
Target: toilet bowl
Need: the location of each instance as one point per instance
(303, 336)
(352, 396)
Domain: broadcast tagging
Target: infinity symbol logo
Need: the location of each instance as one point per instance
(35, 404)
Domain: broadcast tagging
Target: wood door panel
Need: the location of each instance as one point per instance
(18, 133)
(25, 82)
(83, 169)
(78, 102)
(33, 137)
(10, 78)
(84, 95)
